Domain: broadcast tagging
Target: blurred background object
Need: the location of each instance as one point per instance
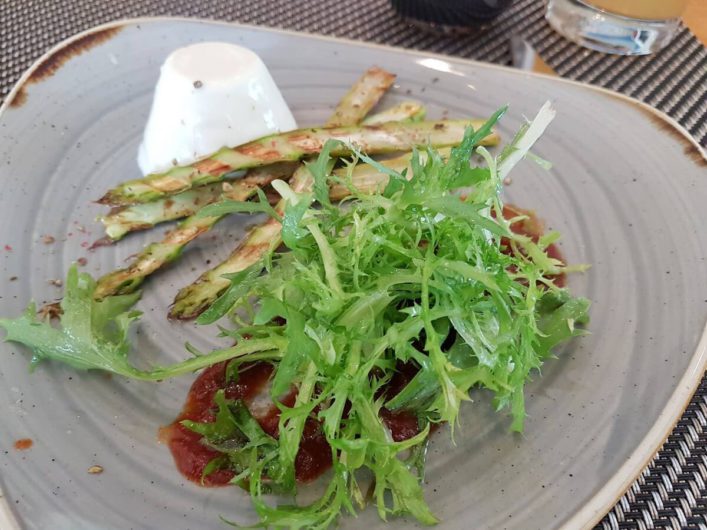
(625, 27)
(450, 16)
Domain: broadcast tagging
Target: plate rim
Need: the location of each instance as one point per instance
(611, 492)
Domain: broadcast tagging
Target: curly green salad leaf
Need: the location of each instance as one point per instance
(93, 335)
(417, 274)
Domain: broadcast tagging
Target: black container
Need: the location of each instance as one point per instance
(450, 15)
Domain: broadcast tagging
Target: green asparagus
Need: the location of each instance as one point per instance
(407, 110)
(123, 220)
(361, 98)
(154, 256)
(126, 219)
(366, 178)
(294, 145)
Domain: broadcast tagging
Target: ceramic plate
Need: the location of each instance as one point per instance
(627, 191)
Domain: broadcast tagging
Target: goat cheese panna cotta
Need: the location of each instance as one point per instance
(210, 95)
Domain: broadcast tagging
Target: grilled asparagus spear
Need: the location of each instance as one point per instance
(364, 177)
(373, 139)
(357, 102)
(365, 93)
(154, 256)
(407, 110)
(368, 179)
(121, 221)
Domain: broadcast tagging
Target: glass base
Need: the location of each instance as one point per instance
(445, 30)
(606, 32)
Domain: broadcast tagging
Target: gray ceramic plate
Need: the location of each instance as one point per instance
(627, 190)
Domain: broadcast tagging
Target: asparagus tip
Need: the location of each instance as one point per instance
(116, 283)
(105, 199)
(179, 311)
(193, 300)
(112, 199)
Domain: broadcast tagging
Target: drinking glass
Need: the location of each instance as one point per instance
(626, 27)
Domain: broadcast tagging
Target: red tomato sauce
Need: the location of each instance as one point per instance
(190, 455)
(314, 455)
(23, 444)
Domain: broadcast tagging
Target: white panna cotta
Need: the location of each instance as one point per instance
(210, 95)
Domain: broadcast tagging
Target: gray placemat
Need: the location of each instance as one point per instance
(672, 491)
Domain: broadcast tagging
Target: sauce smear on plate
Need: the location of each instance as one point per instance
(23, 444)
(314, 456)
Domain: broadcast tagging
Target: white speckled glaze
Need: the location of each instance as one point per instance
(627, 190)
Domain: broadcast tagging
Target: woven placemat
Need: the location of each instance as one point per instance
(672, 491)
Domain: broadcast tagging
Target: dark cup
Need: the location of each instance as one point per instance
(450, 15)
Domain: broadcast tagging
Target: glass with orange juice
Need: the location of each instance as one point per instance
(627, 27)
